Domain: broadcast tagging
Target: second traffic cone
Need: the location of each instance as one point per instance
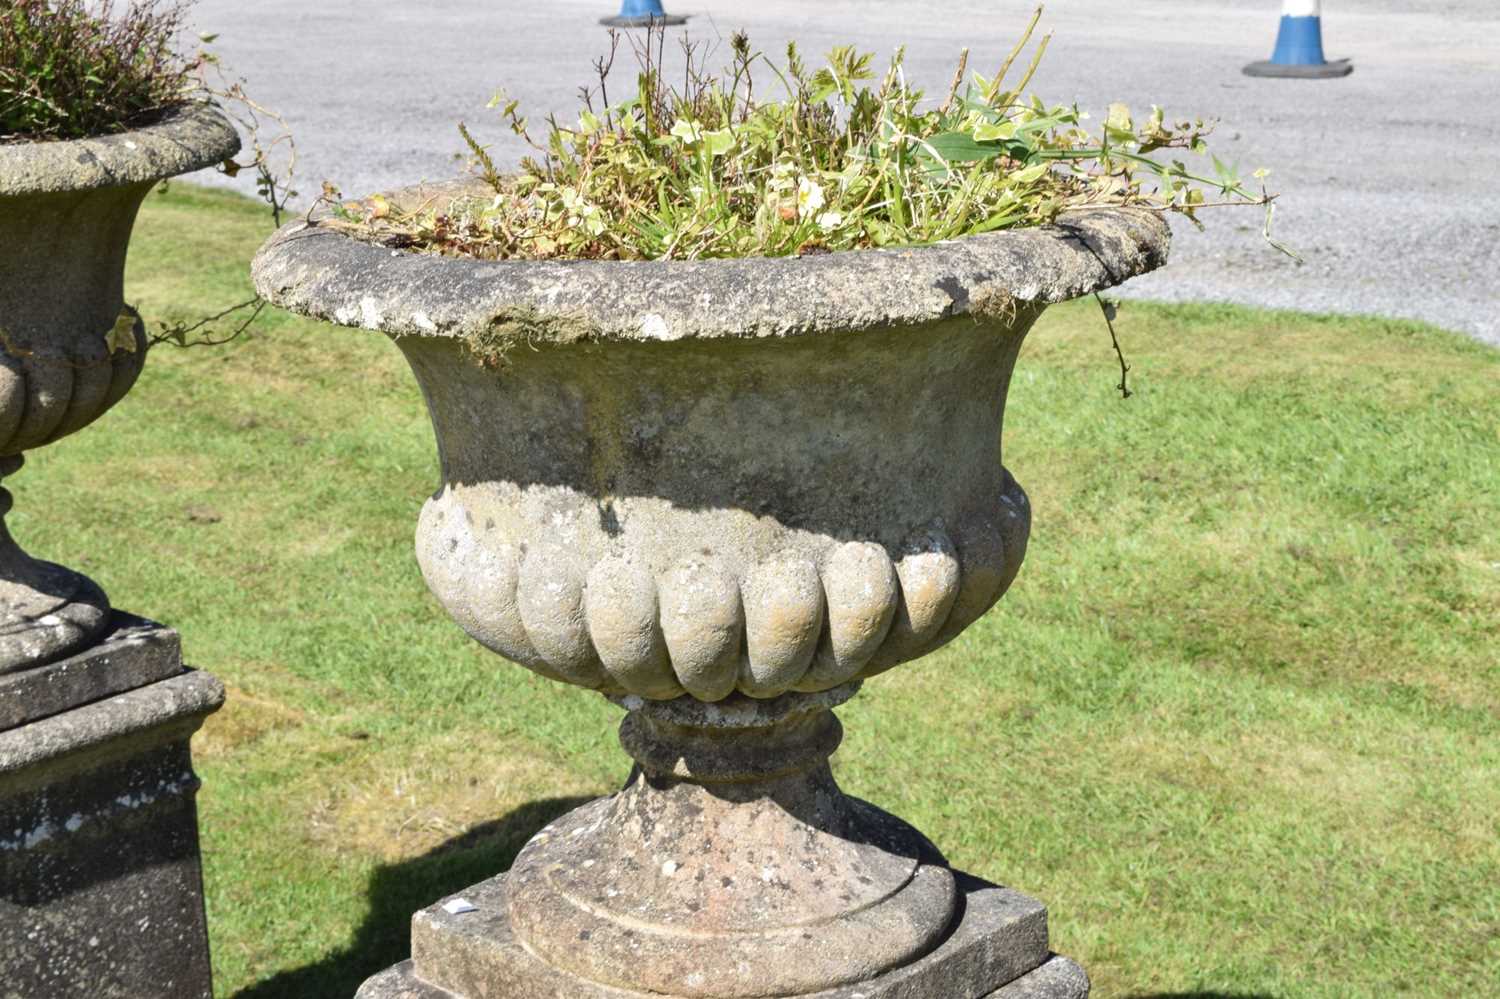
(640, 14)
(1299, 46)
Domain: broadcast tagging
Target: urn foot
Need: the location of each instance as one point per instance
(47, 611)
(731, 866)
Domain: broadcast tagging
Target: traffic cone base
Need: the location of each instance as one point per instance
(643, 21)
(641, 14)
(1321, 71)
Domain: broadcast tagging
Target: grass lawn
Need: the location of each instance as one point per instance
(1238, 721)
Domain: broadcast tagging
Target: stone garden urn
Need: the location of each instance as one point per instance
(69, 346)
(722, 494)
(101, 888)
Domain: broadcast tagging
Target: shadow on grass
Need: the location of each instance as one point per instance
(397, 890)
(1201, 995)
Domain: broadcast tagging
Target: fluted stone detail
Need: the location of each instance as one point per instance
(703, 623)
(860, 591)
(704, 627)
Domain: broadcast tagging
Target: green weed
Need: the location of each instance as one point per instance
(841, 158)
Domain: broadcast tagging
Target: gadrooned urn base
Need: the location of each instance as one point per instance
(731, 866)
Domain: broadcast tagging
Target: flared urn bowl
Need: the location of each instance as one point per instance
(69, 346)
(731, 476)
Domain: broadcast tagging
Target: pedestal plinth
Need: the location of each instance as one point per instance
(996, 950)
(101, 892)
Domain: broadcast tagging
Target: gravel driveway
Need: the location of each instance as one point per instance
(1387, 175)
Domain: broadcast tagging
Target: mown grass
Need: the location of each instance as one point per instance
(1236, 723)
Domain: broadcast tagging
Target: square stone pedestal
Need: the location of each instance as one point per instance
(101, 890)
(997, 950)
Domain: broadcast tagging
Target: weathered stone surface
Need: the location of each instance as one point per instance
(702, 517)
(133, 653)
(66, 213)
(722, 493)
(324, 273)
(47, 611)
(759, 475)
(1000, 939)
(100, 884)
(731, 865)
(1058, 978)
(728, 868)
(189, 138)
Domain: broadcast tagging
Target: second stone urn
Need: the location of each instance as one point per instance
(70, 348)
(723, 494)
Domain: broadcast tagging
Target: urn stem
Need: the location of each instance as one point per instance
(47, 611)
(731, 864)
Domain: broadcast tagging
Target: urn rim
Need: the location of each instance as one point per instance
(330, 274)
(185, 138)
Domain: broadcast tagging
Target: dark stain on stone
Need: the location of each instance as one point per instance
(955, 290)
(609, 521)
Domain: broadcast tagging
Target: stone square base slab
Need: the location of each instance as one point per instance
(132, 653)
(997, 950)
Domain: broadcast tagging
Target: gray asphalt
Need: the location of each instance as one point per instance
(1386, 176)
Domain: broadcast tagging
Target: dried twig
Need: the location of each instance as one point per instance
(958, 79)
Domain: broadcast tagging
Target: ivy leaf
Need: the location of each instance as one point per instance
(987, 131)
(719, 141)
(121, 336)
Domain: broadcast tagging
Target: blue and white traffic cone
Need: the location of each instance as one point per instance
(640, 14)
(1299, 46)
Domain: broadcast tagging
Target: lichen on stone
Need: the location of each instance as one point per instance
(993, 302)
(524, 325)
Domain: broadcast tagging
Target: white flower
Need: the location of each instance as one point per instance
(809, 197)
(830, 221)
